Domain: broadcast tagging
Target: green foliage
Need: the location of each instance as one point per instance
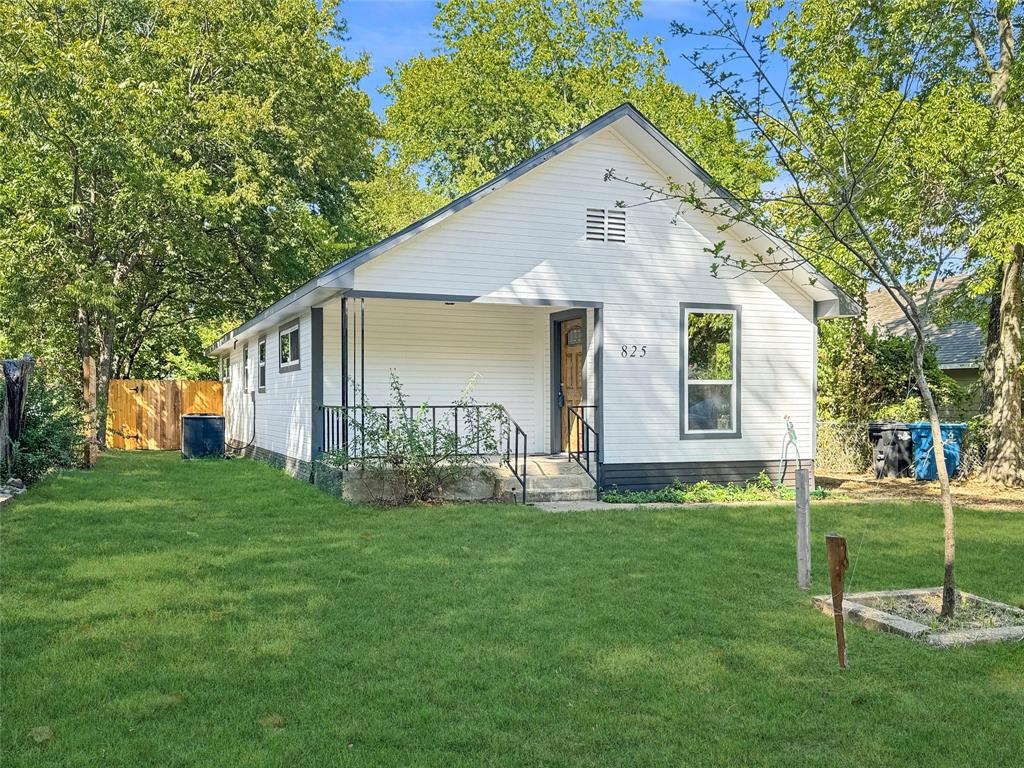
(862, 376)
(52, 436)
(704, 492)
(406, 455)
(167, 164)
(512, 76)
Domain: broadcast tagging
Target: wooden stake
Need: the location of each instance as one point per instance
(835, 546)
(803, 529)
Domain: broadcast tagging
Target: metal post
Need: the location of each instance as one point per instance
(803, 529)
(835, 546)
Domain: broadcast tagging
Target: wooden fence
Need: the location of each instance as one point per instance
(145, 414)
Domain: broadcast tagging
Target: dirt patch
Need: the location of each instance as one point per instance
(970, 493)
(914, 613)
(969, 614)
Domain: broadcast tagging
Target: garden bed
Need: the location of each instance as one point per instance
(914, 613)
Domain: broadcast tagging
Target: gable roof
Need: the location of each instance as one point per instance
(838, 303)
(957, 345)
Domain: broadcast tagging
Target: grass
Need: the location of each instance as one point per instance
(220, 614)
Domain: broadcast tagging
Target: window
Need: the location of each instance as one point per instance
(288, 337)
(261, 364)
(606, 225)
(225, 368)
(710, 375)
(245, 368)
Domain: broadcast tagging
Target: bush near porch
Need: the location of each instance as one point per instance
(157, 612)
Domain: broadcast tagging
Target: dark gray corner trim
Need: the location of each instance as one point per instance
(555, 320)
(297, 364)
(599, 387)
(316, 372)
(465, 299)
(738, 432)
(262, 340)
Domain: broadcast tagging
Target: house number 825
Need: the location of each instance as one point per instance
(632, 350)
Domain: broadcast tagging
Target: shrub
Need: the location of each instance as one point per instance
(53, 433)
(407, 455)
(703, 492)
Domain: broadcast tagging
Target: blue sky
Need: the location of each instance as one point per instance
(395, 30)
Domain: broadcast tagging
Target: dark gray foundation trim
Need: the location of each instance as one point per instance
(556, 319)
(737, 433)
(654, 475)
(465, 299)
(316, 372)
(297, 468)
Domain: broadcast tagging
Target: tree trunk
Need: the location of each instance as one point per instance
(991, 345)
(949, 550)
(103, 376)
(88, 363)
(1004, 462)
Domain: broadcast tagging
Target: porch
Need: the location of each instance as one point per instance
(532, 368)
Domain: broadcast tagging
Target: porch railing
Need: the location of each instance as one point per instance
(584, 444)
(344, 432)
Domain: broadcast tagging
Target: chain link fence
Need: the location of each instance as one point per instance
(843, 448)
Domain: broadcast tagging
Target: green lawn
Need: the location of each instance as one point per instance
(220, 614)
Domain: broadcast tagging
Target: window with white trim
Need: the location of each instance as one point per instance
(710, 354)
(245, 368)
(261, 364)
(225, 368)
(288, 343)
(607, 225)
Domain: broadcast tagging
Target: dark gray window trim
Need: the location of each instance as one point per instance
(294, 365)
(246, 377)
(738, 432)
(266, 359)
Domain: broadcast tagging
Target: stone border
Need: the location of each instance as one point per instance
(855, 610)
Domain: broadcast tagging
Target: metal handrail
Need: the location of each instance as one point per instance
(587, 439)
(337, 420)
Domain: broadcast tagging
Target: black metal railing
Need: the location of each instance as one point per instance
(344, 432)
(584, 442)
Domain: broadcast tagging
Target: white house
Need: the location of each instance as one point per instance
(572, 312)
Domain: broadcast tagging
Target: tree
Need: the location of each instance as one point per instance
(513, 76)
(864, 186)
(166, 164)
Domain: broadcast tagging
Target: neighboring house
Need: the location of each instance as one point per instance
(959, 346)
(555, 298)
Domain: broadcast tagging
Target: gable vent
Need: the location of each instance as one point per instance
(606, 225)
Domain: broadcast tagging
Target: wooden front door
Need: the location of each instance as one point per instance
(573, 352)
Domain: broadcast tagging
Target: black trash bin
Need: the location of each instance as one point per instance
(202, 436)
(892, 449)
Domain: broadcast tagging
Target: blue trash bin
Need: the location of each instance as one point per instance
(924, 458)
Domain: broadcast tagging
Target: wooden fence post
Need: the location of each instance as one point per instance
(803, 529)
(835, 545)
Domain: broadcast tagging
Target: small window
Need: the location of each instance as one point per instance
(261, 365)
(225, 368)
(710, 378)
(288, 338)
(575, 336)
(245, 368)
(606, 225)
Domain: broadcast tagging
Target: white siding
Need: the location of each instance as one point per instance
(284, 410)
(527, 242)
(437, 349)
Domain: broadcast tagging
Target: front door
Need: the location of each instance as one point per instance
(571, 373)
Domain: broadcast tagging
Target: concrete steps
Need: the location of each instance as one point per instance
(550, 478)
